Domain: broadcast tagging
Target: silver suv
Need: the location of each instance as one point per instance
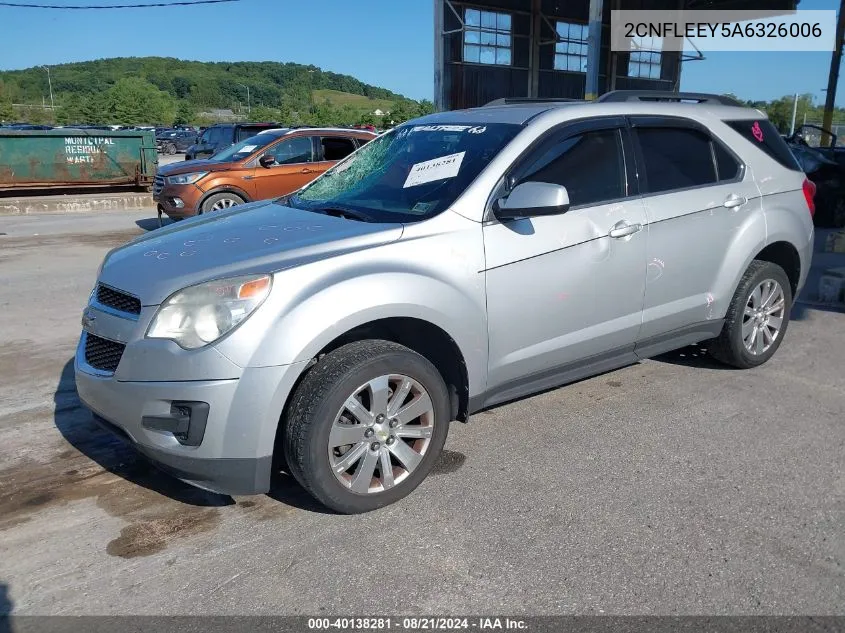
(462, 260)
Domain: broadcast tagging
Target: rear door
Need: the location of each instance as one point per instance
(293, 168)
(331, 149)
(697, 194)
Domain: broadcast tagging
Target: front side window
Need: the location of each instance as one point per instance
(408, 174)
(487, 37)
(590, 165)
(571, 50)
(293, 150)
(646, 54)
(220, 135)
(676, 158)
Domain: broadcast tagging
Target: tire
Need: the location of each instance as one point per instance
(223, 200)
(318, 408)
(730, 347)
(171, 149)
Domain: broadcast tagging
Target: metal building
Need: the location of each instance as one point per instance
(490, 49)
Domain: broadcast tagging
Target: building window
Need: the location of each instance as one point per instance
(646, 53)
(571, 50)
(487, 37)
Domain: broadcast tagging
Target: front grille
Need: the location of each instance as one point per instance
(118, 300)
(158, 185)
(102, 353)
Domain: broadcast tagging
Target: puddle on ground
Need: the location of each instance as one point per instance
(158, 509)
(150, 537)
(108, 239)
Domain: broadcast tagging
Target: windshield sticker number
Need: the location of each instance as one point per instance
(435, 169)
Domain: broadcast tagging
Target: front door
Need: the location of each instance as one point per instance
(565, 292)
(293, 168)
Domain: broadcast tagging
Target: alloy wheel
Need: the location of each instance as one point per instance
(381, 433)
(763, 317)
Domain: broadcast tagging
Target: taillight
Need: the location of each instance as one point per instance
(809, 188)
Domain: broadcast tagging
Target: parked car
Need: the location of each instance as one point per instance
(829, 178)
(269, 164)
(462, 260)
(175, 141)
(218, 137)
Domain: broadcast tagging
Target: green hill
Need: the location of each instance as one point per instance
(130, 90)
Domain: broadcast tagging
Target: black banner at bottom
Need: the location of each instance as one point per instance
(416, 624)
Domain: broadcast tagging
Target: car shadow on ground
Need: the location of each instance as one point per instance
(692, 356)
(6, 606)
(151, 224)
(115, 455)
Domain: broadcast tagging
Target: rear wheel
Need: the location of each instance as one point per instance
(221, 202)
(757, 317)
(366, 425)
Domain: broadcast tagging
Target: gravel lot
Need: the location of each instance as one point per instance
(674, 486)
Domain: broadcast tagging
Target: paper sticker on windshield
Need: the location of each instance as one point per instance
(247, 148)
(435, 169)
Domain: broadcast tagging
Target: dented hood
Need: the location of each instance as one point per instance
(260, 237)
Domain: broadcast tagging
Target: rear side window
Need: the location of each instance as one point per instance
(364, 141)
(247, 132)
(727, 167)
(589, 165)
(336, 147)
(762, 134)
(676, 158)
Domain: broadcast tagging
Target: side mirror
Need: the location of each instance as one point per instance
(267, 161)
(532, 199)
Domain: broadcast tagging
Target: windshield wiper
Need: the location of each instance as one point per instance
(341, 212)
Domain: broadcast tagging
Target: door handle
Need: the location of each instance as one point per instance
(733, 201)
(623, 229)
(305, 170)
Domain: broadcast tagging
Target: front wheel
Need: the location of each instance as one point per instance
(221, 202)
(366, 425)
(757, 317)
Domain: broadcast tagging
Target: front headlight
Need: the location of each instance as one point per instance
(186, 179)
(199, 315)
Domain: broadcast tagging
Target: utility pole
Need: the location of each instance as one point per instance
(248, 107)
(50, 82)
(794, 113)
(833, 78)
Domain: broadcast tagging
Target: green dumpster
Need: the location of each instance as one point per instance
(39, 159)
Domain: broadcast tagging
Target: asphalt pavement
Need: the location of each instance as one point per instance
(674, 486)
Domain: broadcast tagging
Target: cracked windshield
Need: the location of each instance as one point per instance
(411, 173)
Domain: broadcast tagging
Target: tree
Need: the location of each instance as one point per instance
(7, 112)
(132, 100)
(425, 107)
(184, 113)
(263, 113)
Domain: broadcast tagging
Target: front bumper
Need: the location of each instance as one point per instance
(235, 453)
(189, 195)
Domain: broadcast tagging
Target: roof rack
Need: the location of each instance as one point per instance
(616, 96)
(514, 100)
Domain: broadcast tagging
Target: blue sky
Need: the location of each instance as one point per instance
(383, 42)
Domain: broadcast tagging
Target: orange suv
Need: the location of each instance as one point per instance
(272, 163)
